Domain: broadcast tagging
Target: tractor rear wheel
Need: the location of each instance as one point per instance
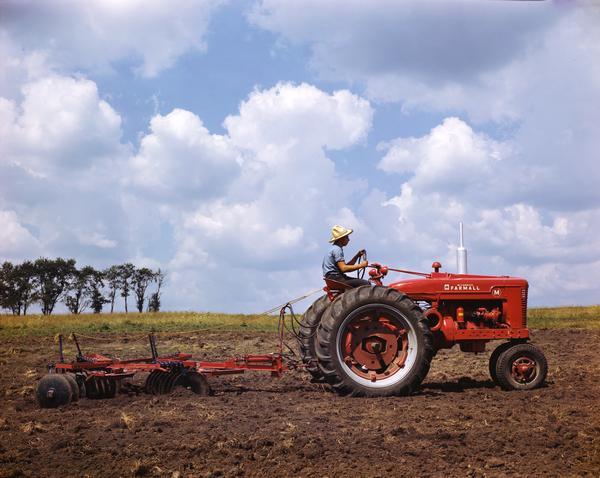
(308, 336)
(521, 367)
(374, 341)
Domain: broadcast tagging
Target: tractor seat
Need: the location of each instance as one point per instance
(334, 287)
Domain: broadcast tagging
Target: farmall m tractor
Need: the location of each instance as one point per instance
(380, 340)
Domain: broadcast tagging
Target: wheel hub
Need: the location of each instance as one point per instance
(374, 347)
(523, 370)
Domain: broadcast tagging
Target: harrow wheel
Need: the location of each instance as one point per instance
(374, 341)
(150, 379)
(158, 382)
(308, 336)
(197, 383)
(53, 390)
(101, 387)
(80, 379)
(74, 386)
(521, 367)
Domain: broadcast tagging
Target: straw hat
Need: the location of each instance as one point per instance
(337, 232)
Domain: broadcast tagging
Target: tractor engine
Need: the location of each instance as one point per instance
(469, 309)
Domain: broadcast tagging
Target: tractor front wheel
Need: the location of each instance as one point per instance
(521, 367)
(494, 359)
(374, 341)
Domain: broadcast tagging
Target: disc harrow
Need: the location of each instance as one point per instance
(101, 387)
(159, 382)
(97, 376)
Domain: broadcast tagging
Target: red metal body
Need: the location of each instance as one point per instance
(95, 366)
(464, 308)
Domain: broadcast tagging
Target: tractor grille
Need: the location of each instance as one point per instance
(524, 306)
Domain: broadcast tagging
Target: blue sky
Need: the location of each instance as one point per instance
(220, 140)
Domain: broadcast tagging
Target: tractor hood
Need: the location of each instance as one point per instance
(432, 286)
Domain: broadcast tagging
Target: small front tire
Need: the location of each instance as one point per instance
(521, 367)
(494, 360)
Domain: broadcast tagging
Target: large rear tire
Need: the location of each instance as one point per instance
(374, 341)
(308, 336)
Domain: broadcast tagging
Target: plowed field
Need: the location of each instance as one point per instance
(460, 424)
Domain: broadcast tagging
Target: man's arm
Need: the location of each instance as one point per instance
(356, 256)
(351, 267)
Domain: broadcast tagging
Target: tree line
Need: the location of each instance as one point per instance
(49, 281)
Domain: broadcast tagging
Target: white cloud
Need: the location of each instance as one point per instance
(95, 239)
(61, 155)
(60, 123)
(276, 214)
(95, 34)
(451, 156)
(455, 174)
(276, 116)
(419, 52)
(179, 158)
(15, 239)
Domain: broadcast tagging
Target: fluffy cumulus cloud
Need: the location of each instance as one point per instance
(61, 150)
(94, 35)
(15, 239)
(455, 174)
(451, 157)
(271, 216)
(180, 159)
(528, 70)
(61, 122)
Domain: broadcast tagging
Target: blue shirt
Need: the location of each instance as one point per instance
(333, 256)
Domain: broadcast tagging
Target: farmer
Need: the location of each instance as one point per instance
(334, 265)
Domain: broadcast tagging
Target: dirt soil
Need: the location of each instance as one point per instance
(460, 424)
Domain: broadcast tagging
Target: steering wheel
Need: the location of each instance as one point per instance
(360, 273)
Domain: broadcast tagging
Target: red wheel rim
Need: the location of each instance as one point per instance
(374, 346)
(524, 370)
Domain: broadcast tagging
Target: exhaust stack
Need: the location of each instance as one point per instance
(461, 253)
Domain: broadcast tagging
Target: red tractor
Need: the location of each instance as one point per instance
(380, 340)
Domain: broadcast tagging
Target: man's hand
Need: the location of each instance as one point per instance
(363, 264)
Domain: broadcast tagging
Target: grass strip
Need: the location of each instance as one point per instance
(135, 323)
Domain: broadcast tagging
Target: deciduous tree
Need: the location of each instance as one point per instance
(126, 273)
(112, 276)
(52, 277)
(140, 280)
(78, 296)
(154, 300)
(17, 287)
(97, 299)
